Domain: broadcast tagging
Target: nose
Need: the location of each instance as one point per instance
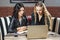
(37, 11)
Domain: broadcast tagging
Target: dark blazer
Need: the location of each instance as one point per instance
(15, 23)
(41, 22)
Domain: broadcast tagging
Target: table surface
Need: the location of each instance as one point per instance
(50, 37)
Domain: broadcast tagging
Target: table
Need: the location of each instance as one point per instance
(15, 37)
(23, 37)
(55, 36)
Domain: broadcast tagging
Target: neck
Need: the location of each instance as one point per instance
(19, 17)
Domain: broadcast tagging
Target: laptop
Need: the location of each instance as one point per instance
(37, 31)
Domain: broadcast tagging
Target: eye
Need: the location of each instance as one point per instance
(21, 10)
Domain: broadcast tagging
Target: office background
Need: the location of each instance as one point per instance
(53, 7)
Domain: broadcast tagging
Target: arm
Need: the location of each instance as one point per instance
(50, 20)
(48, 15)
(11, 26)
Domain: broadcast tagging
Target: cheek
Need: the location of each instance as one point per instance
(22, 12)
(40, 11)
(19, 13)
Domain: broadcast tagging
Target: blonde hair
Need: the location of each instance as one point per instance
(41, 5)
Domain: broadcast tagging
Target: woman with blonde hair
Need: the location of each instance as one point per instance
(41, 16)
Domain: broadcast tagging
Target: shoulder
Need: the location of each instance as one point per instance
(32, 14)
(48, 15)
(14, 19)
(24, 17)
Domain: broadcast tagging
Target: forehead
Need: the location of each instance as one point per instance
(22, 8)
(38, 8)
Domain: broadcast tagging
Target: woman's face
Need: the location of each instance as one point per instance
(20, 13)
(39, 9)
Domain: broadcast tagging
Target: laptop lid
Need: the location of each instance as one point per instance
(37, 31)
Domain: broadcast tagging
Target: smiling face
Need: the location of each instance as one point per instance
(39, 9)
(21, 11)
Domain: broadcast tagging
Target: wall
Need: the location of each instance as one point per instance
(7, 3)
(55, 3)
(47, 2)
(6, 11)
(53, 6)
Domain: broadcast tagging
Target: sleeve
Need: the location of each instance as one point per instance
(48, 16)
(12, 26)
(11, 23)
(50, 21)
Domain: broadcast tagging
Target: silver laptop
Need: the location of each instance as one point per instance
(37, 31)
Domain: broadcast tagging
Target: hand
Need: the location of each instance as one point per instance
(23, 28)
(19, 28)
(50, 28)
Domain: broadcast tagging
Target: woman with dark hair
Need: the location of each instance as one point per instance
(19, 20)
(40, 16)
